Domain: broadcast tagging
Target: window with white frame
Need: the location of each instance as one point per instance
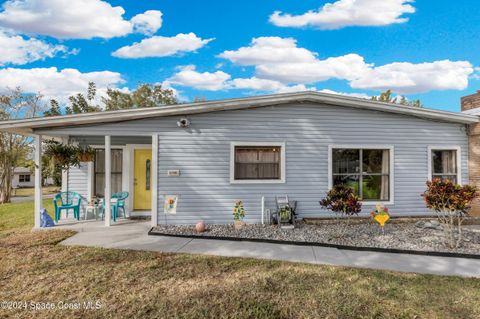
(366, 171)
(444, 164)
(99, 171)
(257, 162)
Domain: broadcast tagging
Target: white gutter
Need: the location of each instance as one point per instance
(28, 126)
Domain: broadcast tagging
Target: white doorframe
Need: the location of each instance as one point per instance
(131, 169)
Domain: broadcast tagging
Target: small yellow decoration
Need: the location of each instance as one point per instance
(381, 215)
(382, 219)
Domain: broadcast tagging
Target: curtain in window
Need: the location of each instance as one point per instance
(449, 162)
(384, 192)
(257, 162)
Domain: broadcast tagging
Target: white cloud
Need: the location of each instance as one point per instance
(75, 19)
(407, 78)
(266, 85)
(53, 83)
(281, 60)
(343, 67)
(188, 76)
(159, 46)
(359, 95)
(268, 50)
(15, 49)
(148, 22)
(344, 13)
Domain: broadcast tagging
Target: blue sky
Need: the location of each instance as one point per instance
(425, 50)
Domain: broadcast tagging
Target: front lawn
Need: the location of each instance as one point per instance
(130, 284)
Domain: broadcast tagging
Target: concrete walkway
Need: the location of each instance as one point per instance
(133, 235)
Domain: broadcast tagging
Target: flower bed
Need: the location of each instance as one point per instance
(402, 236)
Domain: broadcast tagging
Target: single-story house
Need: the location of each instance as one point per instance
(210, 154)
(22, 177)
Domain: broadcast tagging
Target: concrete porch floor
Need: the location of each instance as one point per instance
(129, 234)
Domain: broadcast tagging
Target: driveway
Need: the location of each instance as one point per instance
(19, 199)
(133, 235)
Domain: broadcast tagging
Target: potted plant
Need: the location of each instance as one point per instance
(63, 154)
(238, 215)
(85, 154)
(285, 217)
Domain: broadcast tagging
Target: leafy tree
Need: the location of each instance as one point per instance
(388, 97)
(54, 109)
(81, 104)
(145, 95)
(15, 104)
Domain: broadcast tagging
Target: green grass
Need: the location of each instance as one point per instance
(17, 216)
(133, 284)
(23, 192)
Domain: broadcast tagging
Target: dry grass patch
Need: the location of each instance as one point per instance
(132, 284)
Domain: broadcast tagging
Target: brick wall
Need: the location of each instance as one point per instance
(471, 102)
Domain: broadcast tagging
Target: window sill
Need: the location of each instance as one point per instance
(373, 203)
(258, 181)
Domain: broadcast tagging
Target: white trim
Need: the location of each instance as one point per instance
(283, 160)
(64, 172)
(154, 208)
(90, 171)
(27, 126)
(391, 149)
(38, 181)
(108, 181)
(456, 148)
(131, 171)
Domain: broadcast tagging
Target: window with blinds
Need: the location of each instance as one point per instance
(257, 163)
(99, 173)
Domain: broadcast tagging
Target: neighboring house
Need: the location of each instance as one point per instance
(211, 154)
(22, 177)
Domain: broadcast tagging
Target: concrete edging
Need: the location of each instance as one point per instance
(317, 244)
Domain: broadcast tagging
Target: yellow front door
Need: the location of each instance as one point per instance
(142, 183)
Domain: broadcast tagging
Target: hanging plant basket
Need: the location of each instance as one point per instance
(85, 154)
(64, 155)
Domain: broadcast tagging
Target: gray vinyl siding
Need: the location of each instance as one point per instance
(202, 154)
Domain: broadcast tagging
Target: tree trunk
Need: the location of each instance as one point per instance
(5, 184)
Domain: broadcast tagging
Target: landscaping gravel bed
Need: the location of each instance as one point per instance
(406, 236)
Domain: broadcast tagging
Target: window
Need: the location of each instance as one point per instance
(257, 163)
(444, 164)
(366, 171)
(99, 172)
(24, 178)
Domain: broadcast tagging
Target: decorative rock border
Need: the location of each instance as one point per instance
(152, 232)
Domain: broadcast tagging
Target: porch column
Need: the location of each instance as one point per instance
(108, 181)
(38, 179)
(154, 180)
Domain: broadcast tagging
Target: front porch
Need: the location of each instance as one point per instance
(121, 164)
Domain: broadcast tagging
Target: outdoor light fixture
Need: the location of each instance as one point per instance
(183, 122)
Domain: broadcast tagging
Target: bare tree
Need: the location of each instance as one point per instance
(15, 104)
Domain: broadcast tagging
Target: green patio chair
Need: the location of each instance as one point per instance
(120, 197)
(67, 201)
